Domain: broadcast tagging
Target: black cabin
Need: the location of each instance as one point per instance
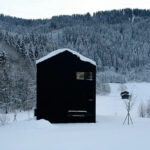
(66, 85)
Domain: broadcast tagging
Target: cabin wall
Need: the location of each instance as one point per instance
(58, 91)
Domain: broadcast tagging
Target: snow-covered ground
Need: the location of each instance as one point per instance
(107, 134)
(113, 105)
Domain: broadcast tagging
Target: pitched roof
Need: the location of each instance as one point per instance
(56, 52)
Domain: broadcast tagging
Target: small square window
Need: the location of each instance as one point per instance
(80, 75)
(88, 76)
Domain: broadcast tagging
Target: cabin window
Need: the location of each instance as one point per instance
(80, 75)
(88, 76)
(84, 76)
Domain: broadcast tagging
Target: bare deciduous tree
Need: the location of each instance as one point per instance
(148, 109)
(4, 119)
(142, 110)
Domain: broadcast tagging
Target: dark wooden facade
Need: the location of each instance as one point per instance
(65, 92)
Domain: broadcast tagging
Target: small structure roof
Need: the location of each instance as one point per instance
(56, 52)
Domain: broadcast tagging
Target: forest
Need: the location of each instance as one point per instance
(118, 41)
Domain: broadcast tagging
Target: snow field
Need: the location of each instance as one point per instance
(113, 105)
(107, 134)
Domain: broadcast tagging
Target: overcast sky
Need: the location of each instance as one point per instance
(48, 8)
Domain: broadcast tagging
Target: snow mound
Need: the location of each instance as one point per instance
(42, 124)
(30, 124)
(56, 52)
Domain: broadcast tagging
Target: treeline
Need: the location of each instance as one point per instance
(59, 22)
(118, 40)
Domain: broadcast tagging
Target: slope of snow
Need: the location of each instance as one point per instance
(56, 52)
(107, 133)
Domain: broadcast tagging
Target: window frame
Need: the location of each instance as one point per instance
(84, 76)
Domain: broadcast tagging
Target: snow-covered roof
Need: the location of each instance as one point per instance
(56, 52)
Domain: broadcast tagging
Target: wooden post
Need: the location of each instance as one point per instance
(128, 116)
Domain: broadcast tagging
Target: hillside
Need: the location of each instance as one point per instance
(17, 82)
(118, 40)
